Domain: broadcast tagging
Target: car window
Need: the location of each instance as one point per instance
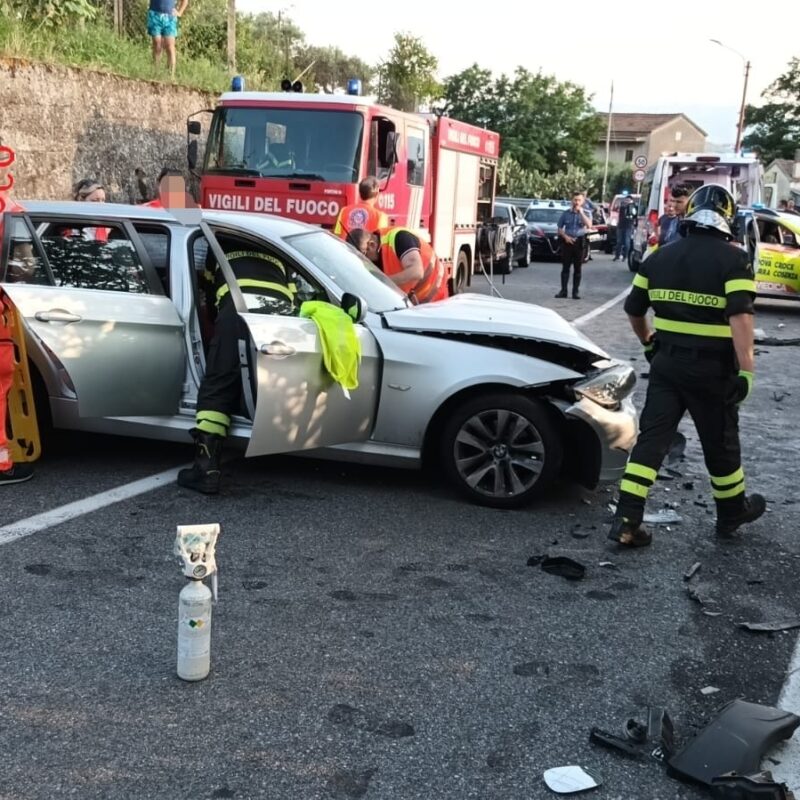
(788, 237)
(155, 239)
(26, 263)
(545, 215)
(286, 286)
(83, 256)
(348, 269)
(501, 211)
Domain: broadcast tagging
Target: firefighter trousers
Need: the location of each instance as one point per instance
(683, 379)
(220, 393)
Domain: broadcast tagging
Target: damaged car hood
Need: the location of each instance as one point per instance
(491, 316)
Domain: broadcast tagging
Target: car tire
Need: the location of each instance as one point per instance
(523, 262)
(460, 276)
(500, 449)
(503, 266)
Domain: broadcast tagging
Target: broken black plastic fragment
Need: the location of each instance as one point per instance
(565, 567)
(734, 741)
(761, 786)
(606, 739)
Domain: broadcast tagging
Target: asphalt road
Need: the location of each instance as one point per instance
(377, 637)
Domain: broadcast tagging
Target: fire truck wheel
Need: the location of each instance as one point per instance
(461, 276)
(500, 449)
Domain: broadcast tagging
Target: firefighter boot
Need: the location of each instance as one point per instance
(629, 533)
(203, 476)
(750, 510)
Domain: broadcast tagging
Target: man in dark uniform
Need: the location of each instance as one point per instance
(701, 289)
(266, 287)
(573, 226)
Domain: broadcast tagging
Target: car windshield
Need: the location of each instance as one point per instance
(544, 215)
(349, 270)
(285, 142)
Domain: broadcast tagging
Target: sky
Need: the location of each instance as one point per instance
(658, 61)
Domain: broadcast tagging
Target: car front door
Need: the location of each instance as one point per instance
(777, 261)
(96, 313)
(297, 404)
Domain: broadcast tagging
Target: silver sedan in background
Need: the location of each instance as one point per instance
(503, 396)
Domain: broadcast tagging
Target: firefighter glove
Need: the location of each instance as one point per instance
(650, 346)
(742, 386)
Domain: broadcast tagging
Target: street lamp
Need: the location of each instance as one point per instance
(740, 126)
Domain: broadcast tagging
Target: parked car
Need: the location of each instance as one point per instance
(542, 221)
(514, 243)
(599, 236)
(503, 396)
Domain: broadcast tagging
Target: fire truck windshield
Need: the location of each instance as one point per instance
(303, 143)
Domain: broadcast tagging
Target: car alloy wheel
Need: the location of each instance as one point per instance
(500, 450)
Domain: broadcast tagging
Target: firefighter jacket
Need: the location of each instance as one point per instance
(263, 279)
(694, 285)
(360, 215)
(395, 243)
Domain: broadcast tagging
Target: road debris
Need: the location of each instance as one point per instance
(707, 690)
(770, 627)
(606, 739)
(571, 779)
(692, 571)
(666, 516)
(564, 567)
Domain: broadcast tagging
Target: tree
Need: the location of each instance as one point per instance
(407, 79)
(776, 124)
(545, 124)
(51, 13)
(330, 68)
(267, 48)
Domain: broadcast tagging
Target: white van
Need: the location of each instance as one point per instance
(742, 176)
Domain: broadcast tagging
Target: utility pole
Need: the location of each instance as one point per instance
(740, 126)
(232, 36)
(608, 145)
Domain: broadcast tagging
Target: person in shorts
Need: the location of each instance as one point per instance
(162, 27)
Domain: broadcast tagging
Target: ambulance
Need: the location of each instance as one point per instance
(774, 239)
(741, 175)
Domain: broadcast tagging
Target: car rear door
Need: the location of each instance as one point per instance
(296, 405)
(96, 312)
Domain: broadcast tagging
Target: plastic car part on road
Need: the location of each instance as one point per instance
(734, 741)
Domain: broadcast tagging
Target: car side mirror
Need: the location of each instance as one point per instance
(194, 127)
(354, 306)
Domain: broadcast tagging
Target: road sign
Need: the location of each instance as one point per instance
(640, 162)
(638, 176)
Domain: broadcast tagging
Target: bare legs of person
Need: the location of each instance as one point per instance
(169, 44)
(157, 48)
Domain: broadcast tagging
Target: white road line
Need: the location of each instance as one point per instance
(25, 527)
(596, 312)
(788, 753)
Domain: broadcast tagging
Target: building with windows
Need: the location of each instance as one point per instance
(648, 135)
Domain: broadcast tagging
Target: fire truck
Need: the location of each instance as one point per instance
(303, 155)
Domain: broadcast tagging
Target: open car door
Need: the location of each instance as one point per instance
(297, 405)
(95, 313)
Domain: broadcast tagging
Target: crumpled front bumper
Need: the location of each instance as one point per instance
(615, 432)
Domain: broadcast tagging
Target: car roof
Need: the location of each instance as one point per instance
(548, 203)
(263, 223)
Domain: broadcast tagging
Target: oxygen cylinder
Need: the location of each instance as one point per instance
(194, 631)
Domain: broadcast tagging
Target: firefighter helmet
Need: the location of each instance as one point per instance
(711, 207)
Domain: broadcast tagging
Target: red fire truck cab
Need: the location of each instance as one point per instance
(303, 155)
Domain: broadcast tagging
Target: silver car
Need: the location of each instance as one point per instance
(504, 397)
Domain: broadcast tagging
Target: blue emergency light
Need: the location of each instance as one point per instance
(237, 83)
(354, 86)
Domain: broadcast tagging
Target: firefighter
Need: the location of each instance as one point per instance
(406, 259)
(9, 471)
(266, 286)
(702, 290)
(364, 214)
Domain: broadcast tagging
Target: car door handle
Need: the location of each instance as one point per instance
(280, 349)
(57, 315)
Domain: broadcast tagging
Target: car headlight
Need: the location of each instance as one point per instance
(609, 386)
